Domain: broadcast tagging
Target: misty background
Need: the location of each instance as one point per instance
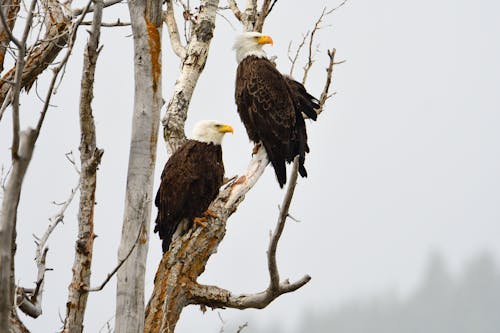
(404, 168)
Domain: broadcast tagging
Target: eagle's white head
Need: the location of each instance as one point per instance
(210, 131)
(251, 43)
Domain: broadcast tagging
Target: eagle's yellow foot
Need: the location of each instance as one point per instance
(201, 221)
(210, 213)
(256, 148)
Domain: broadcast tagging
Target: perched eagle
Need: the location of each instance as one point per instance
(271, 104)
(190, 181)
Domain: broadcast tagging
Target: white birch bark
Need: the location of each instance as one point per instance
(146, 28)
(192, 65)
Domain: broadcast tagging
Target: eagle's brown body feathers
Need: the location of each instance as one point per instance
(270, 106)
(189, 183)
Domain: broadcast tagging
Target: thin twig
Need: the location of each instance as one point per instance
(242, 327)
(293, 60)
(61, 65)
(271, 8)
(30, 300)
(329, 72)
(16, 89)
(113, 272)
(273, 245)
(87, 9)
(118, 23)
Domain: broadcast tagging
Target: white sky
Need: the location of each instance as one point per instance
(404, 161)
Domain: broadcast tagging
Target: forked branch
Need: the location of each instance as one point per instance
(173, 31)
(29, 300)
(216, 297)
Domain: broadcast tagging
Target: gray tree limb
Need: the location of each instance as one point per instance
(145, 16)
(8, 217)
(192, 67)
(90, 157)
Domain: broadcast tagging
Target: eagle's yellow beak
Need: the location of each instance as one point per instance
(265, 40)
(225, 129)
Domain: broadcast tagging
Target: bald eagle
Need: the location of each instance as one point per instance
(190, 181)
(271, 104)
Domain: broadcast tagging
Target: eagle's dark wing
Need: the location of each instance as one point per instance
(189, 182)
(304, 102)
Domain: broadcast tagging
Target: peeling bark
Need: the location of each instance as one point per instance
(175, 284)
(55, 39)
(186, 259)
(16, 325)
(90, 157)
(10, 8)
(192, 66)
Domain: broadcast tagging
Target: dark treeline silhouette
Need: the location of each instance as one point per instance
(468, 302)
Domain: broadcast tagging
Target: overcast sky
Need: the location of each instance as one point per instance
(404, 161)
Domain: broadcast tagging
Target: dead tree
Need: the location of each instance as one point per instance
(176, 283)
(47, 49)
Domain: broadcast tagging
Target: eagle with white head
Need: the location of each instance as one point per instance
(271, 105)
(190, 181)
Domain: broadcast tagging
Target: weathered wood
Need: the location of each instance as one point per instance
(188, 255)
(192, 66)
(8, 218)
(55, 39)
(90, 157)
(146, 29)
(10, 8)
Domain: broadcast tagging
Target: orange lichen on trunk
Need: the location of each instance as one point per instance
(154, 42)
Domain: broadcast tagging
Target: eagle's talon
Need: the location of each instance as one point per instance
(201, 221)
(210, 213)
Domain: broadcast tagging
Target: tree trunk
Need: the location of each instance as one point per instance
(90, 157)
(146, 28)
(8, 217)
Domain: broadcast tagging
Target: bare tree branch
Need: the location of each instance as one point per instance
(236, 11)
(16, 89)
(120, 263)
(8, 217)
(173, 31)
(293, 60)
(7, 29)
(329, 72)
(90, 157)
(192, 67)
(22, 150)
(175, 281)
(41, 56)
(216, 297)
(118, 23)
(146, 20)
(266, 8)
(30, 301)
(9, 9)
(106, 4)
(13, 188)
